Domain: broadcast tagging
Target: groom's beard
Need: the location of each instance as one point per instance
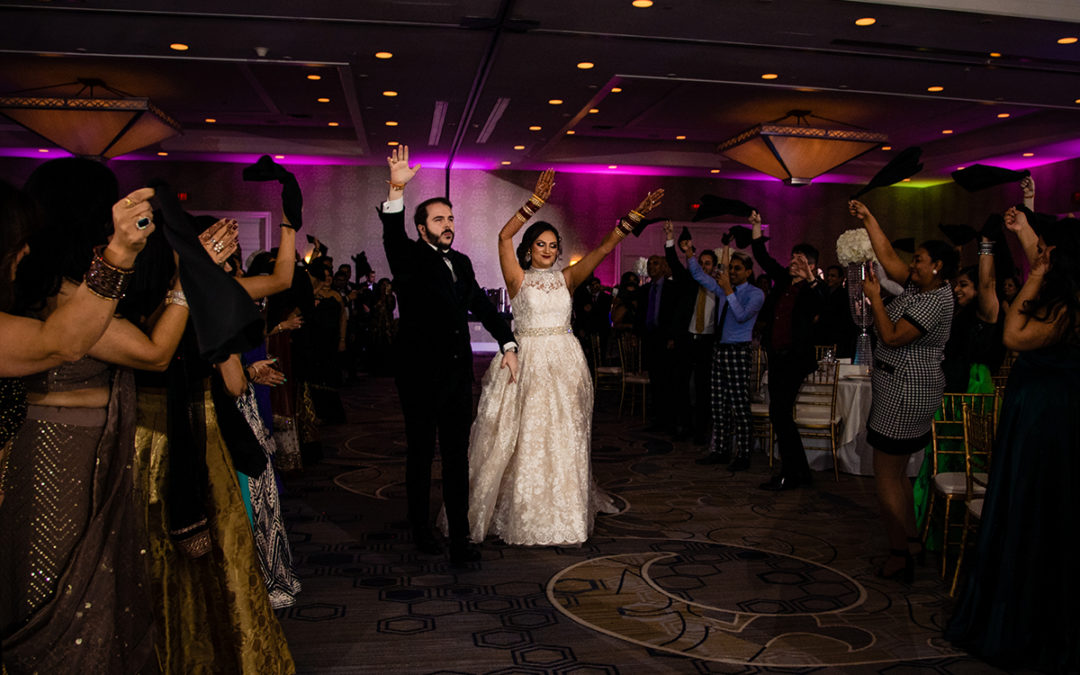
(437, 240)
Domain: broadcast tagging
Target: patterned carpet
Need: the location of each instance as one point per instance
(701, 572)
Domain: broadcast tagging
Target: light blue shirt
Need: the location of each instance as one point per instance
(743, 305)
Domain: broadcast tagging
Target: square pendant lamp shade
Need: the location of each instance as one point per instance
(90, 119)
(797, 153)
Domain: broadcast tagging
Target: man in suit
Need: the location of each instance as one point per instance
(787, 333)
(694, 346)
(658, 324)
(437, 291)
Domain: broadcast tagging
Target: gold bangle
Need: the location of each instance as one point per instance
(635, 216)
(536, 201)
(396, 186)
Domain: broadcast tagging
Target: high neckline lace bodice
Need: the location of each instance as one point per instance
(543, 303)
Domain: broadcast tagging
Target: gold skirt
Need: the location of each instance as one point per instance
(213, 612)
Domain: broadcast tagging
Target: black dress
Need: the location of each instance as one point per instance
(971, 342)
(1018, 606)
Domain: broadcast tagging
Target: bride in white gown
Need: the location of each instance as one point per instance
(530, 479)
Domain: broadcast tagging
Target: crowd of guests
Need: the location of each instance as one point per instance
(152, 392)
(154, 387)
(937, 327)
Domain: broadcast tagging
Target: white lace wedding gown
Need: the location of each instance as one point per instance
(529, 467)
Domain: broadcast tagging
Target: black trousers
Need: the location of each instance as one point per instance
(441, 410)
(693, 374)
(660, 362)
(786, 374)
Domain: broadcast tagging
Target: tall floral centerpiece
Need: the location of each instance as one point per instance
(854, 251)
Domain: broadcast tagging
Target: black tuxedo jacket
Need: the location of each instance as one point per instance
(669, 324)
(433, 331)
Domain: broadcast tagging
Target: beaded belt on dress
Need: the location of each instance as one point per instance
(540, 332)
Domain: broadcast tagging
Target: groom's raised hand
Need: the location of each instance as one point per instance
(400, 172)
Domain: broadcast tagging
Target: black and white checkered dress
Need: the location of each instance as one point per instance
(908, 381)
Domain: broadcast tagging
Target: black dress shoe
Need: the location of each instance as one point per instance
(780, 483)
(713, 458)
(462, 552)
(426, 542)
(740, 463)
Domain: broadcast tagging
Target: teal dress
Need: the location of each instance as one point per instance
(1018, 604)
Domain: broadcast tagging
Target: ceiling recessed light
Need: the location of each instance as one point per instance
(392, 143)
(642, 4)
(1028, 154)
(322, 100)
(585, 65)
(384, 55)
(389, 93)
(331, 124)
(616, 90)
(179, 47)
(886, 147)
(1067, 40)
(907, 180)
(163, 154)
(593, 111)
(519, 147)
(313, 77)
(946, 131)
(1077, 101)
(391, 123)
(1002, 115)
(613, 166)
(865, 21)
(534, 128)
(555, 101)
(43, 149)
(571, 132)
(935, 88)
(279, 156)
(680, 138)
(505, 162)
(995, 55)
(769, 76)
(714, 170)
(210, 120)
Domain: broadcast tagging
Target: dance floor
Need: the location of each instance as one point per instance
(700, 572)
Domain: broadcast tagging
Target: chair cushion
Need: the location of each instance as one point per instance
(609, 370)
(636, 378)
(954, 483)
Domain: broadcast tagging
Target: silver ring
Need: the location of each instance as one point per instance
(142, 223)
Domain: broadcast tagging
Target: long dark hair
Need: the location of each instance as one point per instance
(531, 234)
(75, 196)
(1060, 291)
(18, 218)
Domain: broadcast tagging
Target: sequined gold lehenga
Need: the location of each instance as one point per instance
(214, 614)
(73, 554)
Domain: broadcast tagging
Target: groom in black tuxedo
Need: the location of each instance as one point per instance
(437, 291)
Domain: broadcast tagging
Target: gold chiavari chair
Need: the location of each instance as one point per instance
(815, 408)
(635, 377)
(947, 434)
(821, 351)
(605, 375)
(978, 446)
(759, 409)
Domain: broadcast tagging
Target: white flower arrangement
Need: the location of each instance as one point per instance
(853, 246)
(641, 268)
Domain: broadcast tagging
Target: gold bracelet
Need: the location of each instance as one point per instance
(396, 186)
(536, 201)
(635, 216)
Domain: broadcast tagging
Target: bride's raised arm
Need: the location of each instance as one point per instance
(577, 274)
(511, 269)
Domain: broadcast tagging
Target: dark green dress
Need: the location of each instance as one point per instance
(1018, 605)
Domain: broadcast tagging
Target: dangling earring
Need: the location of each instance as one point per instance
(935, 273)
(528, 258)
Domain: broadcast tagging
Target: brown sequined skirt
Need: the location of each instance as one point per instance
(73, 561)
(213, 612)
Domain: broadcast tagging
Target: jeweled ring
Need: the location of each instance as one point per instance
(219, 247)
(142, 223)
(128, 203)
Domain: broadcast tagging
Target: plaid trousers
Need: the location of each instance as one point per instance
(731, 397)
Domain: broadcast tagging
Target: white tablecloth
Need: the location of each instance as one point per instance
(854, 454)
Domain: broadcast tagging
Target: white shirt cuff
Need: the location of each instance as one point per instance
(394, 205)
(670, 243)
(508, 345)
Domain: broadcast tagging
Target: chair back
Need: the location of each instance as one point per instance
(824, 352)
(978, 445)
(947, 429)
(759, 363)
(816, 401)
(631, 355)
(604, 371)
